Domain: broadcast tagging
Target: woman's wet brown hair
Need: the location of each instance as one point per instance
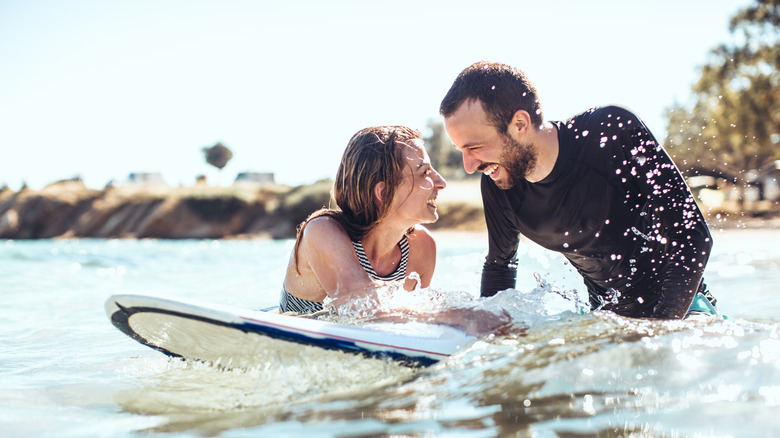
(373, 155)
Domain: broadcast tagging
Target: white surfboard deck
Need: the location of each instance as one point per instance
(238, 337)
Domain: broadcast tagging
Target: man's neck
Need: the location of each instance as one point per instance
(545, 143)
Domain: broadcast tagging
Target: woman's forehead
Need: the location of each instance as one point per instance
(413, 149)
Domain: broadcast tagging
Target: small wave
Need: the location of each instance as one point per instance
(187, 389)
(509, 311)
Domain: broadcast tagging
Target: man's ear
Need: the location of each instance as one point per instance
(520, 124)
(379, 190)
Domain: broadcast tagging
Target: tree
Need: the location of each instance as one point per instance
(218, 155)
(733, 125)
(445, 157)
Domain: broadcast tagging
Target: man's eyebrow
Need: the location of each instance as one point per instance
(468, 145)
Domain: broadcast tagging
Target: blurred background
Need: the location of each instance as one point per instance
(178, 95)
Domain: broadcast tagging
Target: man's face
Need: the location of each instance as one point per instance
(498, 155)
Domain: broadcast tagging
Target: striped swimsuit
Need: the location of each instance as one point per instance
(290, 303)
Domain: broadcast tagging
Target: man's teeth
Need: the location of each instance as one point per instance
(489, 171)
(432, 202)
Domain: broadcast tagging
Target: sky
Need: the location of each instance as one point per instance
(98, 89)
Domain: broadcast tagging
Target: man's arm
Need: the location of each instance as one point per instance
(676, 221)
(500, 269)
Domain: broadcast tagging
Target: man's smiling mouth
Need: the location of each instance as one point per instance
(490, 170)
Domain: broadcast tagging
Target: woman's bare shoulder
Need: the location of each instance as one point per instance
(421, 240)
(323, 226)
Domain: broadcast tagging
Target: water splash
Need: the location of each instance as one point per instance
(293, 375)
(611, 297)
(569, 295)
(393, 299)
(510, 311)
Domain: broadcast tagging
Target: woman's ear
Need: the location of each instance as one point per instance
(379, 190)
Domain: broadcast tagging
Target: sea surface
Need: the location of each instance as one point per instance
(67, 372)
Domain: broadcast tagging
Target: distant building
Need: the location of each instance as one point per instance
(765, 182)
(257, 178)
(145, 178)
(706, 189)
(762, 186)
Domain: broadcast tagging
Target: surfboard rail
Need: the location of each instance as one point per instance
(205, 331)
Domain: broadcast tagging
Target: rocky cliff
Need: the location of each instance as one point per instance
(68, 209)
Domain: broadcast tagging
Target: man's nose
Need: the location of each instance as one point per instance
(470, 164)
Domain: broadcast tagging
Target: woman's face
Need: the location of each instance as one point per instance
(415, 196)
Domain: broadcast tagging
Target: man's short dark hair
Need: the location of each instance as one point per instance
(502, 90)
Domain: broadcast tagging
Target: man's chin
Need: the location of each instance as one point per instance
(504, 184)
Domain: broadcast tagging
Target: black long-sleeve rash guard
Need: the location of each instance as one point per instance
(616, 207)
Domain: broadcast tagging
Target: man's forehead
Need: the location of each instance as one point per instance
(475, 104)
(471, 111)
(469, 125)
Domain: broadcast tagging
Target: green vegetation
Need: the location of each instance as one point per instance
(217, 208)
(732, 128)
(218, 155)
(298, 203)
(445, 157)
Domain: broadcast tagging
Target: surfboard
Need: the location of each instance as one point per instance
(237, 337)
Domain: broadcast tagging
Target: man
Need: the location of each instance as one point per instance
(597, 188)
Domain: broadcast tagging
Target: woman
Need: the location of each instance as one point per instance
(385, 188)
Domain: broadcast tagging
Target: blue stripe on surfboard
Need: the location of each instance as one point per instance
(120, 319)
(344, 338)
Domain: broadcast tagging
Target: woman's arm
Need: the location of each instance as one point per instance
(422, 257)
(328, 253)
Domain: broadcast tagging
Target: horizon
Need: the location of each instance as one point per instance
(102, 89)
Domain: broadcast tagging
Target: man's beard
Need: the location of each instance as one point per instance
(518, 159)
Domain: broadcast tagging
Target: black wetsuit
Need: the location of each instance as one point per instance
(616, 207)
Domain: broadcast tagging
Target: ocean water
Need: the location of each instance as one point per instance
(67, 372)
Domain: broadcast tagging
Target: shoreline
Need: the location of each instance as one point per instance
(68, 209)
